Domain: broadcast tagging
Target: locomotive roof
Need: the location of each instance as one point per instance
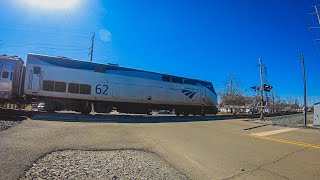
(85, 65)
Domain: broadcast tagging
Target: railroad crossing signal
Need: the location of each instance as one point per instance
(256, 88)
(267, 87)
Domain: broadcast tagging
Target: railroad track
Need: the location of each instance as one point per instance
(16, 114)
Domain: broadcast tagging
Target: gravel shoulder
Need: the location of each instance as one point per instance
(7, 124)
(113, 164)
(8, 121)
(294, 120)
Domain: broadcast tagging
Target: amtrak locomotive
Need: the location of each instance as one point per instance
(66, 84)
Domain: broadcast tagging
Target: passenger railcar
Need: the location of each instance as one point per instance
(11, 79)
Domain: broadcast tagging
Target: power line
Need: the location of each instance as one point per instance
(43, 45)
(47, 32)
(30, 26)
(46, 28)
(97, 50)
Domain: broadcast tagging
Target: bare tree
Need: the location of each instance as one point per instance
(290, 104)
(231, 93)
(279, 105)
(295, 105)
(290, 100)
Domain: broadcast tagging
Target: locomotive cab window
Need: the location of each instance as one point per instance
(189, 81)
(5, 74)
(48, 85)
(36, 70)
(60, 86)
(85, 89)
(73, 88)
(176, 80)
(166, 78)
(99, 69)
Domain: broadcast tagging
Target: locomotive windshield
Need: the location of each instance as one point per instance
(208, 85)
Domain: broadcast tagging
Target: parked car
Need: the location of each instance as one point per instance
(40, 107)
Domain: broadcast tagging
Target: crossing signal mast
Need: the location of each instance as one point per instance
(262, 88)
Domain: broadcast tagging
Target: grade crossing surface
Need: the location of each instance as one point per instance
(214, 148)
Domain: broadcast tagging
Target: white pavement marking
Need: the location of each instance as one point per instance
(268, 133)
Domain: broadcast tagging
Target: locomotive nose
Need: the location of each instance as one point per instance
(211, 98)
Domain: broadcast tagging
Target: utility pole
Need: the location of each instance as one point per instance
(231, 89)
(261, 89)
(265, 73)
(305, 89)
(231, 84)
(317, 13)
(91, 48)
(266, 80)
(318, 17)
(272, 101)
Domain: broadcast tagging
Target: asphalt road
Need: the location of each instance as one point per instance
(201, 148)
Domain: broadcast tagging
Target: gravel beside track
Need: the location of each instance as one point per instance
(7, 124)
(294, 120)
(113, 164)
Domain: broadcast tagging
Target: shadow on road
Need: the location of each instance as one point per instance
(103, 118)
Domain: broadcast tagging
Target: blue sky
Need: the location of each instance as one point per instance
(204, 39)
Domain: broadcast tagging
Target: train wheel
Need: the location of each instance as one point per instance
(177, 113)
(185, 114)
(85, 110)
(50, 107)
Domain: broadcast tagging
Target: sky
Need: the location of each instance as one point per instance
(202, 39)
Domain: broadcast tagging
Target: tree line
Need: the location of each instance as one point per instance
(233, 93)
